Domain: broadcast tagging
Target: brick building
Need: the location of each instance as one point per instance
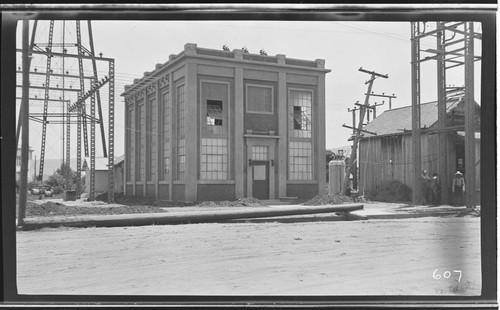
(221, 125)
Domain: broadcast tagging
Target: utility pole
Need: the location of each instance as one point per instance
(415, 113)
(454, 48)
(352, 158)
(374, 108)
(23, 188)
(353, 118)
(371, 107)
(19, 123)
(383, 95)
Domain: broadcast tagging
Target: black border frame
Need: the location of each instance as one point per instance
(485, 15)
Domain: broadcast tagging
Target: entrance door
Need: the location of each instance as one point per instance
(260, 183)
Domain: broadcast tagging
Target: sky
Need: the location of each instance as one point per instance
(384, 47)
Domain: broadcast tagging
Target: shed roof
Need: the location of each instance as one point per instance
(101, 163)
(398, 120)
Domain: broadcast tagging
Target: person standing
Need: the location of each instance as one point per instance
(458, 189)
(425, 187)
(435, 190)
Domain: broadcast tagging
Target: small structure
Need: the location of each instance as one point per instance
(222, 125)
(101, 174)
(388, 155)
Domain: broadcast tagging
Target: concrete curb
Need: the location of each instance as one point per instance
(180, 217)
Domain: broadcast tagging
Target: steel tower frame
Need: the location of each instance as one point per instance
(454, 47)
(75, 113)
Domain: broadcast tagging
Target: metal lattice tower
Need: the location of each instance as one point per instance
(46, 98)
(452, 47)
(78, 105)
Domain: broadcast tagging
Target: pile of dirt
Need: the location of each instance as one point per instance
(243, 202)
(327, 199)
(141, 201)
(57, 209)
(127, 200)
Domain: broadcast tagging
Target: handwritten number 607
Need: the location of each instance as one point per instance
(446, 274)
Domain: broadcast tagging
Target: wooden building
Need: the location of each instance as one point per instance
(388, 155)
(101, 174)
(221, 125)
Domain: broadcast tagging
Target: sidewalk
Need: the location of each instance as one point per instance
(272, 213)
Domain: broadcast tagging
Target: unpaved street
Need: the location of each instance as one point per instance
(314, 258)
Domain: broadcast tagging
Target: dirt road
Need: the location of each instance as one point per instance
(375, 257)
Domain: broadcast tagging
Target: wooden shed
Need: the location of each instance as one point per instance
(388, 155)
(101, 174)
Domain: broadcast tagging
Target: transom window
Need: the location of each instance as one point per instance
(259, 152)
(259, 99)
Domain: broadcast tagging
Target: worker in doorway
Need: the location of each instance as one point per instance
(435, 190)
(458, 189)
(426, 187)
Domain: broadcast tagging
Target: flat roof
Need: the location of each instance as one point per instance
(236, 55)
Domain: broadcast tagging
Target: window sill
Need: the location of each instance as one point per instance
(302, 182)
(216, 182)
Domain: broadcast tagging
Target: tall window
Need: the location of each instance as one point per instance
(165, 141)
(214, 162)
(259, 99)
(130, 145)
(181, 140)
(139, 142)
(150, 128)
(300, 164)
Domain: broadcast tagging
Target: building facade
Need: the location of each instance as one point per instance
(222, 125)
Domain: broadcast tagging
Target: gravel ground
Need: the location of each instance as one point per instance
(374, 257)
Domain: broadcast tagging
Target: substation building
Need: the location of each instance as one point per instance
(221, 125)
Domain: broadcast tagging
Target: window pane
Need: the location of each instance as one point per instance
(300, 103)
(214, 160)
(259, 99)
(259, 172)
(300, 160)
